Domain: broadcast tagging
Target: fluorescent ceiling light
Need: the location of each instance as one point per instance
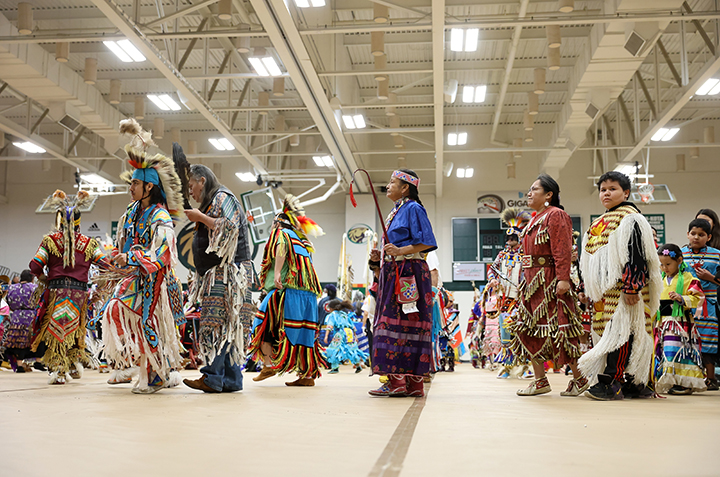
(164, 102)
(629, 170)
(302, 3)
(471, 39)
(664, 134)
(226, 143)
(474, 94)
(480, 92)
(323, 161)
(707, 86)
(29, 147)
(119, 52)
(125, 50)
(221, 144)
(169, 102)
(469, 171)
(257, 63)
(271, 66)
(92, 178)
(318, 3)
(348, 120)
(670, 134)
(460, 172)
(130, 49)
(359, 121)
(462, 139)
(464, 39)
(715, 90)
(659, 134)
(468, 94)
(456, 39)
(452, 141)
(245, 176)
(356, 121)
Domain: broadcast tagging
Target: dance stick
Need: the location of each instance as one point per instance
(377, 205)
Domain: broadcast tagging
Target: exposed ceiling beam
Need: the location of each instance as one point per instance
(276, 19)
(669, 113)
(438, 56)
(11, 127)
(116, 15)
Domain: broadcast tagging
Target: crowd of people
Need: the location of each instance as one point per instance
(626, 316)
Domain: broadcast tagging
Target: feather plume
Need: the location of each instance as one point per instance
(141, 138)
(515, 218)
(182, 167)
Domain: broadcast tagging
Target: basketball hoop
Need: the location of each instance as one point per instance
(646, 192)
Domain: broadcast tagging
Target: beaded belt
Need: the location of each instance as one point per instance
(400, 258)
(532, 261)
(67, 282)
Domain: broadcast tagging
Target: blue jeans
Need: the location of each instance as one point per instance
(222, 375)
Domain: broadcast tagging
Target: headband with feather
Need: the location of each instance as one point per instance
(156, 169)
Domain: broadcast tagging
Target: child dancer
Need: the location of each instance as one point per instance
(491, 325)
(682, 371)
(344, 345)
(704, 263)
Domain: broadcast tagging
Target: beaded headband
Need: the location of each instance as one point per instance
(404, 176)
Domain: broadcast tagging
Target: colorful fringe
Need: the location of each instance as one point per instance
(65, 344)
(286, 358)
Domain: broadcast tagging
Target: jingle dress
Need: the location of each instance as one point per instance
(547, 326)
(402, 341)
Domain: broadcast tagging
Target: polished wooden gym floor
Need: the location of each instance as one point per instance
(470, 424)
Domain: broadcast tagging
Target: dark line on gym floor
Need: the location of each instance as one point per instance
(390, 462)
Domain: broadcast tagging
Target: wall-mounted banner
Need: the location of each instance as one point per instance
(496, 202)
(468, 272)
(357, 234)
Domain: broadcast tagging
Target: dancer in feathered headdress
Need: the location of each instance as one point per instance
(287, 321)
(139, 321)
(504, 275)
(64, 257)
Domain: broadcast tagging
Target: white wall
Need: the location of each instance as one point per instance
(27, 185)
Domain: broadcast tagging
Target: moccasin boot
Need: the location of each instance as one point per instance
(415, 386)
(538, 386)
(576, 387)
(398, 385)
(264, 374)
(200, 385)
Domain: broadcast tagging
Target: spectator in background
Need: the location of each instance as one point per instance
(322, 308)
(712, 217)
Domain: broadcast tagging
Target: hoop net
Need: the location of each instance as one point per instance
(646, 192)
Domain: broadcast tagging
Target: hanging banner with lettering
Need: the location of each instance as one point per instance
(493, 203)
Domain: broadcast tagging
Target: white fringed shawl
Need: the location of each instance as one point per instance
(601, 272)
